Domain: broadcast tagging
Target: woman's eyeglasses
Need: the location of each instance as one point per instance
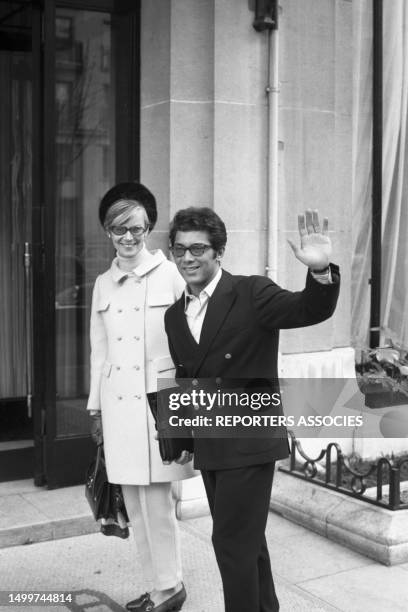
(121, 230)
(196, 249)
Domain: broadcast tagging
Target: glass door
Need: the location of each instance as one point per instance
(16, 236)
(90, 71)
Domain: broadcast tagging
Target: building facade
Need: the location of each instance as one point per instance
(182, 95)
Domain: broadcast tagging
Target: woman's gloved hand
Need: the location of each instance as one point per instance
(96, 427)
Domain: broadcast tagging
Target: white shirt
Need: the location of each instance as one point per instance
(195, 307)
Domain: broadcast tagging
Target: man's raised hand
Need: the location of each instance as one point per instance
(315, 245)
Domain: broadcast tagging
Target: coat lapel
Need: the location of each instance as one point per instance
(218, 308)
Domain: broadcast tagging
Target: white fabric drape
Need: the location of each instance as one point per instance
(362, 171)
(394, 243)
(395, 167)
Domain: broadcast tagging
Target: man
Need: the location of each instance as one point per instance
(226, 327)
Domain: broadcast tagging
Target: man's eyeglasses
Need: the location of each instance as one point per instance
(121, 230)
(196, 249)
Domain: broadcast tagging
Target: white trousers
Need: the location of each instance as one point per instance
(151, 511)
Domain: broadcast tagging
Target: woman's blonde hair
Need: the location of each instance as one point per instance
(121, 211)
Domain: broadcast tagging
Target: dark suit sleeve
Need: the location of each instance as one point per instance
(277, 308)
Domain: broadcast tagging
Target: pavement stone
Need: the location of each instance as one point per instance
(307, 555)
(373, 588)
(70, 502)
(312, 573)
(102, 574)
(16, 511)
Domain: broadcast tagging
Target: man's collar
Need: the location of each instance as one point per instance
(208, 290)
(147, 262)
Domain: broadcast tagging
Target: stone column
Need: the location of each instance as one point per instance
(177, 106)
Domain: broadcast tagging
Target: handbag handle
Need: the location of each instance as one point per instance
(98, 459)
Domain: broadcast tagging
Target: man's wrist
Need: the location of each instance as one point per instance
(321, 271)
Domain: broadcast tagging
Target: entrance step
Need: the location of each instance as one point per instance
(34, 514)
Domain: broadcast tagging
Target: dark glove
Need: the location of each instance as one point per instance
(96, 428)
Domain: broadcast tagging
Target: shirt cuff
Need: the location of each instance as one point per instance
(324, 279)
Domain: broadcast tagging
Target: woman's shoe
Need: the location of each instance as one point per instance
(114, 529)
(138, 605)
(173, 604)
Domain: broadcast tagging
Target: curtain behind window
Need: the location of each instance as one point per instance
(394, 246)
(15, 189)
(85, 153)
(362, 172)
(395, 168)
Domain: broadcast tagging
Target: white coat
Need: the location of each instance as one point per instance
(129, 350)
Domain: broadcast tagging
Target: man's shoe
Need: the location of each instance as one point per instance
(173, 604)
(138, 605)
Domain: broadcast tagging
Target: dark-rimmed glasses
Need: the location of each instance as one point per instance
(121, 230)
(196, 249)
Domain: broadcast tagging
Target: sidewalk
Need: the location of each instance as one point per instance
(311, 573)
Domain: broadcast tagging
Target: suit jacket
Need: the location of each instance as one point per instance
(239, 340)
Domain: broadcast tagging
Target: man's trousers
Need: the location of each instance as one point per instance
(239, 502)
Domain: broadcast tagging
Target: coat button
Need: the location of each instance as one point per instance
(120, 397)
(138, 396)
(194, 382)
(228, 355)
(119, 338)
(118, 367)
(136, 337)
(218, 380)
(136, 367)
(120, 310)
(137, 308)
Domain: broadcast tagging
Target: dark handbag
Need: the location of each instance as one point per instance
(170, 448)
(105, 498)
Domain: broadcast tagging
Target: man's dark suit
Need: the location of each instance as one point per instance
(239, 340)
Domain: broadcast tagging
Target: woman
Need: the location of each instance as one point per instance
(129, 351)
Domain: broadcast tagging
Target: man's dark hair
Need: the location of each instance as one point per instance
(202, 219)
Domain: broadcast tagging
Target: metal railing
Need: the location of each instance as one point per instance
(337, 471)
